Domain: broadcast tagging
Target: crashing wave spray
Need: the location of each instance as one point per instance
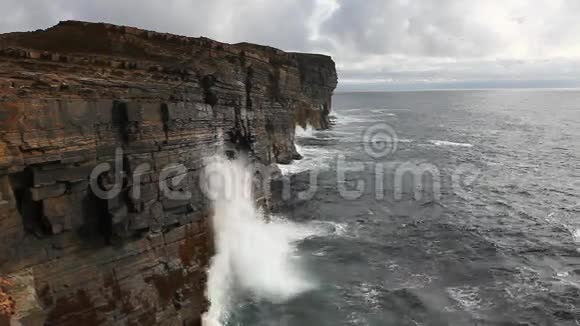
(307, 132)
(253, 255)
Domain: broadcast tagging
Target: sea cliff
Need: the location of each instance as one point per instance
(78, 95)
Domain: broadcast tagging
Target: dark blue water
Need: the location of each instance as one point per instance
(486, 233)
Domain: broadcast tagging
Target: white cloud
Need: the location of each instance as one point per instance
(386, 41)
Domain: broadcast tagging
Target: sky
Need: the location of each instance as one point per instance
(377, 44)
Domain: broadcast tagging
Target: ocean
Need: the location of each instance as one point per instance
(429, 208)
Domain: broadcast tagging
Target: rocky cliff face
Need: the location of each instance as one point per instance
(78, 95)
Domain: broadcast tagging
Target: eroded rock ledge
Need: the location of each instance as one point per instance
(70, 97)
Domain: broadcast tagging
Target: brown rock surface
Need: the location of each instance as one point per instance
(73, 94)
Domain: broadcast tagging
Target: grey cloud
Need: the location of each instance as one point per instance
(20, 15)
(394, 41)
(278, 23)
(254, 21)
(424, 28)
(470, 70)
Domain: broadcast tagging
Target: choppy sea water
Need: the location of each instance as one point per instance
(439, 208)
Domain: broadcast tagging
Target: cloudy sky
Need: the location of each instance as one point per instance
(377, 44)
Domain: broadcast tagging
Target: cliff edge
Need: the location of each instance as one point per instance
(78, 95)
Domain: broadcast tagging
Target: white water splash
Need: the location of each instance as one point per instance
(299, 149)
(253, 256)
(313, 157)
(449, 143)
(307, 132)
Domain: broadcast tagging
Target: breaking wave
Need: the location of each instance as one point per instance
(449, 143)
(255, 254)
(307, 132)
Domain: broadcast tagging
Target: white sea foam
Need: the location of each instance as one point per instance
(341, 229)
(307, 132)
(467, 297)
(253, 256)
(307, 163)
(384, 112)
(561, 221)
(343, 119)
(449, 143)
(562, 273)
(300, 149)
(312, 158)
(370, 295)
(326, 228)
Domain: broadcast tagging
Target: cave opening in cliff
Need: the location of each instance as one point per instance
(30, 210)
(209, 97)
(98, 224)
(120, 117)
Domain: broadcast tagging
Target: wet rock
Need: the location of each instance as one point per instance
(44, 192)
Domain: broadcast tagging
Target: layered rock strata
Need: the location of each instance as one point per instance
(79, 95)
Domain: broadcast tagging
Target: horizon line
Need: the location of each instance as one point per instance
(459, 89)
